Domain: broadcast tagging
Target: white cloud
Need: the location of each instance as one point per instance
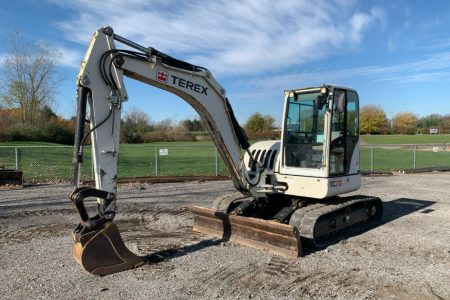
(228, 36)
(360, 21)
(434, 68)
(69, 57)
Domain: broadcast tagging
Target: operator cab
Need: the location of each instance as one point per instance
(320, 132)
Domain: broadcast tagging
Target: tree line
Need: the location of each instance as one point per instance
(373, 120)
(137, 127)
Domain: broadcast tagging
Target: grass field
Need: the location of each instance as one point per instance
(406, 139)
(200, 158)
(403, 157)
(39, 161)
(184, 158)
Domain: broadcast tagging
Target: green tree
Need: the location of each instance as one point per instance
(46, 113)
(431, 121)
(258, 123)
(193, 125)
(258, 127)
(373, 120)
(445, 124)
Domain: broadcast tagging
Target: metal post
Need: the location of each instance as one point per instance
(156, 161)
(414, 165)
(371, 159)
(17, 158)
(217, 167)
(92, 168)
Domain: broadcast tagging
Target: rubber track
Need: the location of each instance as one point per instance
(222, 203)
(315, 211)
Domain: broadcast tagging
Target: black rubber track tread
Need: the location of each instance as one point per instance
(312, 215)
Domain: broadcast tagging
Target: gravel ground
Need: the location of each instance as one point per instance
(406, 257)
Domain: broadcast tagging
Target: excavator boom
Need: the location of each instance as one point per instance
(97, 243)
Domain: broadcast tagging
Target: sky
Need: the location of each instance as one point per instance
(396, 54)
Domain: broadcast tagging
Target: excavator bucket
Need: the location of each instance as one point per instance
(277, 238)
(103, 252)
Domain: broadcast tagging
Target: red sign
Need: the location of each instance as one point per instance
(162, 76)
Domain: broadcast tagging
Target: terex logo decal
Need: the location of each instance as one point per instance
(189, 85)
(162, 76)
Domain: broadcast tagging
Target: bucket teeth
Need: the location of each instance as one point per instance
(103, 252)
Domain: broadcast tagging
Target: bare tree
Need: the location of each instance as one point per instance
(138, 121)
(29, 77)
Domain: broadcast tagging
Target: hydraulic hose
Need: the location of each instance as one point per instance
(80, 123)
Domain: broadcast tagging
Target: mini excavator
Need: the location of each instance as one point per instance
(287, 191)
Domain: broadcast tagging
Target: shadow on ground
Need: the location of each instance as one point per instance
(392, 210)
(178, 252)
(401, 207)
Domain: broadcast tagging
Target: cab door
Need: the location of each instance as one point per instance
(344, 133)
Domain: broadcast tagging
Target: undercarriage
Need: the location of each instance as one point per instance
(286, 226)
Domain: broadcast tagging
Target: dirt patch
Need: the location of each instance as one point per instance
(406, 257)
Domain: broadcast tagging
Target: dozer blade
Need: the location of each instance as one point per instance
(277, 238)
(103, 252)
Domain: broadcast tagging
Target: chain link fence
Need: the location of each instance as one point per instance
(403, 157)
(54, 163)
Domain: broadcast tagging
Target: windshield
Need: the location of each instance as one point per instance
(304, 132)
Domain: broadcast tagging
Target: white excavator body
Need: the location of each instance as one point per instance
(287, 190)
